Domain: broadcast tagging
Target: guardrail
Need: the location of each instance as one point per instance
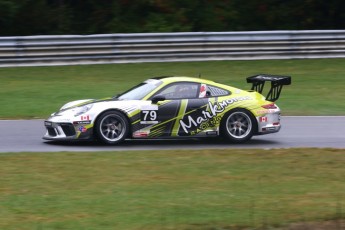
(166, 47)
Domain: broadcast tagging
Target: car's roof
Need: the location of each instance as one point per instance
(168, 79)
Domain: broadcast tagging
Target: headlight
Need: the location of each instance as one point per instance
(82, 109)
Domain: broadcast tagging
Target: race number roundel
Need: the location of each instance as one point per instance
(149, 115)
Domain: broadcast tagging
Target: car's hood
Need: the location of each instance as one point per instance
(99, 105)
(82, 102)
(75, 103)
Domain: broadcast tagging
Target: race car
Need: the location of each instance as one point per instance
(173, 107)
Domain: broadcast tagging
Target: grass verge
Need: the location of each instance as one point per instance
(31, 92)
(203, 189)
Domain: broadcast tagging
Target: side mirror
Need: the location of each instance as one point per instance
(157, 98)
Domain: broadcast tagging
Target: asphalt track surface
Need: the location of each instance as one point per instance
(296, 132)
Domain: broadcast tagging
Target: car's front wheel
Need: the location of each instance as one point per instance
(112, 127)
(238, 125)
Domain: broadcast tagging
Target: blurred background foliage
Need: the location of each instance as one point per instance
(48, 17)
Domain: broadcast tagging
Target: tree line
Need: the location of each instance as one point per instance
(54, 17)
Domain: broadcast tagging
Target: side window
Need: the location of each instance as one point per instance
(181, 90)
(216, 92)
(212, 91)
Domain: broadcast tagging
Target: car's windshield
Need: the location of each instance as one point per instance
(140, 91)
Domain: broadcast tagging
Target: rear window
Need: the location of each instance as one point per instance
(216, 92)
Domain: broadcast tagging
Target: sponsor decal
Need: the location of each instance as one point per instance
(149, 107)
(212, 133)
(269, 129)
(141, 134)
(259, 112)
(209, 118)
(263, 119)
(85, 117)
(214, 121)
(58, 119)
(82, 129)
(48, 123)
(81, 122)
(268, 78)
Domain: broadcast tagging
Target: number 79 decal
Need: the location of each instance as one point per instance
(149, 115)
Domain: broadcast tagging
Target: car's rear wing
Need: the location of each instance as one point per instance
(277, 83)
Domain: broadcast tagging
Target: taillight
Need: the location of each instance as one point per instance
(269, 106)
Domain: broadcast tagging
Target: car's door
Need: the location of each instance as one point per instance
(181, 99)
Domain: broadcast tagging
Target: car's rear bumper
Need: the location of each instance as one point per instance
(269, 123)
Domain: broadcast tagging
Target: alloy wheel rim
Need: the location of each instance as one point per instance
(238, 125)
(112, 128)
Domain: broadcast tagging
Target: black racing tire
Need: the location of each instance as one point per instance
(238, 125)
(112, 127)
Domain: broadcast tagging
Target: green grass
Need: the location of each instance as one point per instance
(204, 189)
(30, 92)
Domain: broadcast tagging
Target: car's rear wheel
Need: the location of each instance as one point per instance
(112, 127)
(238, 125)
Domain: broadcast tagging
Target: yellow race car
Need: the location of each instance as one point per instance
(173, 107)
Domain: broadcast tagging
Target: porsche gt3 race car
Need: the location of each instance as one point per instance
(173, 107)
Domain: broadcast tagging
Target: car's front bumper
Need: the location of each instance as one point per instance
(65, 131)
